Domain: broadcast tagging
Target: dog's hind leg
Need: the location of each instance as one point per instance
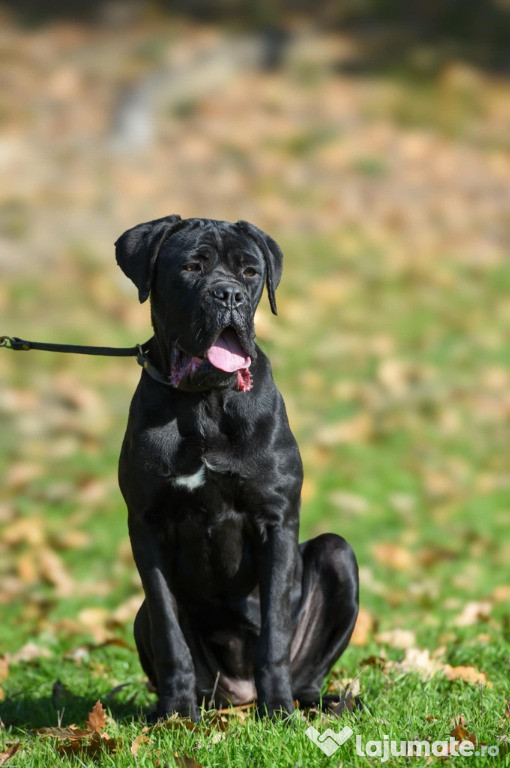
(142, 632)
(326, 613)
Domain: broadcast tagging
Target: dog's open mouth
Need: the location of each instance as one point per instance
(226, 354)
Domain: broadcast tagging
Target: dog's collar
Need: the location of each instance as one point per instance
(142, 359)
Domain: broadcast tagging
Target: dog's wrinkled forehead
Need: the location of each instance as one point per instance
(139, 249)
(223, 244)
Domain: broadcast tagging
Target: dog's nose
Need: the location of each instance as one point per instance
(227, 294)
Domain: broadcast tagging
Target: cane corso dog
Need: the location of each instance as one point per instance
(235, 609)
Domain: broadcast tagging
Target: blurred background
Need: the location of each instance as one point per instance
(370, 139)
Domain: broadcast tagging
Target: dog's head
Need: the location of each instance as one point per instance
(205, 279)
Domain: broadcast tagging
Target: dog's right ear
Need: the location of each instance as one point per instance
(137, 249)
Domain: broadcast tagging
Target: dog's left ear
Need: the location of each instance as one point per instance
(137, 249)
(273, 257)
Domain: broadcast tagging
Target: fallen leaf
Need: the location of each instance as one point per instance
(118, 641)
(127, 610)
(54, 572)
(466, 674)
(393, 555)
(363, 629)
(96, 720)
(4, 668)
(462, 734)
(419, 661)
(183, 761)
(473, 613)
(502, 593)
(397, 638)
(89, 741)
(26, 530)
(350, 503)
(234, 711)
(91, 746)
(137, 742)
(355, 430)
(69, 732)
(30, 652)
(77, 654)
(4, 756)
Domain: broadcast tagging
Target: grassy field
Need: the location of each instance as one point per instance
(390, 348)
(393, 392)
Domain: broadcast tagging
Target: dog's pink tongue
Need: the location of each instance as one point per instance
(227, 353)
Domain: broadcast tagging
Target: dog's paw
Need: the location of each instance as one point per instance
(275, 708)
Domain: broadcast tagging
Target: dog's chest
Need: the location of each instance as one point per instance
(191, 482)
(207, 472)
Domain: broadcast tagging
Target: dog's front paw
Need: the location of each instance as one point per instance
(275, 707)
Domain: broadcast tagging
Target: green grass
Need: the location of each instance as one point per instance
(418, 357)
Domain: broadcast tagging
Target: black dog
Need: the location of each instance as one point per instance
(235, 610)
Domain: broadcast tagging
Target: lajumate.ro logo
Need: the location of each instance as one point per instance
(384, 748)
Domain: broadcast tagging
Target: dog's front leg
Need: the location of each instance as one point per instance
(276, 562)
(169, 654)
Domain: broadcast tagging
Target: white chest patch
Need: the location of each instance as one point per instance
(190, 482)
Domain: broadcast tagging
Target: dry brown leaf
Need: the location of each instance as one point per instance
(54, 572)
(350, 503)
(363, 629)
(95, 620)
(118, 641)
(419, 661)
(466, 674)
(63, 733)
(21, 474)
(89, 741)
(96, 720)
(4, 668)
(91, 746)
(26, 530)
(30, 652)
(183, 761)
(77, 655)
(473, 613)
(397, 638)
(502, 593)
(73, 539)
(379, 662)
(355, 430)
(460, 733)
(393, 555)
(12, 749)
(237, 710)
(137, 742)
(126, 611)
(26, 568)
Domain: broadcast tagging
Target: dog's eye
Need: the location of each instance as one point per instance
(249, 272)
(192, 267)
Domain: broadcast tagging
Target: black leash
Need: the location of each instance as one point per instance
(12, 342)
(139, 351)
